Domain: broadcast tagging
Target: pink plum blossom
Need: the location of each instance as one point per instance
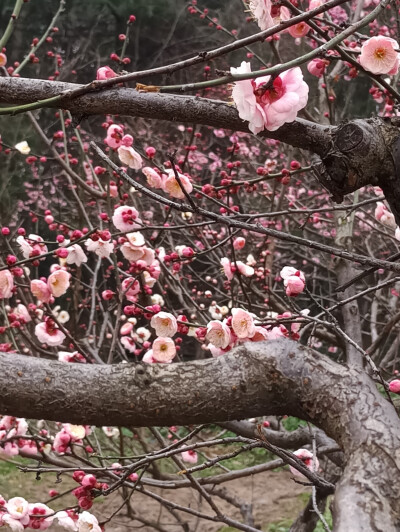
(242, 323)
(239, 242)
(126, 218)
(105, 73)
(154, 180)
(383, 215)
(165, 324)
(171, 186)
(268, 104)
(127, 155)
(164, 350)
(379, 55)
(219, 334)
(307, 458)
(317, 67)
(41, 290)
(38, 512)
(190, 456)
(267, 14)
(394, 386)
(48, 333)
(58, 282)
(293, 280)
(6, 284)
(114, 136)
(299, 30)
(130, 288)
(294, 285)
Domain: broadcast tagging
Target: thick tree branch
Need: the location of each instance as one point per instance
(277, 377)
(130, 102)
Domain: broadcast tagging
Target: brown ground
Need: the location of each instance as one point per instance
(274, 496)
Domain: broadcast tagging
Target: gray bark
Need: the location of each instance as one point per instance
(265, 378)
(172, 107)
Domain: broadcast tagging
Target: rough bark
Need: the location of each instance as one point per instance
(172, 107)
(277, 377)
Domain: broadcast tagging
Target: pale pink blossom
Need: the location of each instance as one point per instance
(242, 323)
(307, 458)
(128, 343)
(65, 521)
(48, 333)
(226, 265)
(15, 525)
(268, 14)
(126, 218)
(41, 291)
(22, 313)
(88, 523)
(164, 323)
(105, 73)
(17, 507)
(269, 107)
(171, 186)
(244, 269)
(218, 334)
(148, 357)
(190, 456)
(379, 55)
(230, 268)
(31, 245)
(148, 279)
(127, 155)
(126, 328)
(114, 136)
(164, 349)
(314, 4)
(58, 282)
(102, 248)
(154, 179)
(383, 215)
(76, 432)
(76, 255)
(6, 284)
